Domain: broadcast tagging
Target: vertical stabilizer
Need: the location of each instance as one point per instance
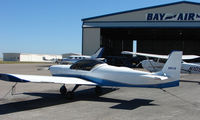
(99, 53)
(172, 67)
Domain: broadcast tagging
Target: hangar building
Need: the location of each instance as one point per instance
(24, 57)
(158, 29)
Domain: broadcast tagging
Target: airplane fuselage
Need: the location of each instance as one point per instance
(106, 75)
(153, 66)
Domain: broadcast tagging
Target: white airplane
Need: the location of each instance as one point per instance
(74, 58)
(53, 60)
(97, 73)
(154, 65)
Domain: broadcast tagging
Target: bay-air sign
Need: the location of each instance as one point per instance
(173, 17)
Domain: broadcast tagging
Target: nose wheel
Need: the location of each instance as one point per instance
(63, 90)
(68, 94)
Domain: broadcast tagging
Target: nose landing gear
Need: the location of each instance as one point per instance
(63, 90)
(68, 94)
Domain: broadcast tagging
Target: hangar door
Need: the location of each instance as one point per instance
(150, 40)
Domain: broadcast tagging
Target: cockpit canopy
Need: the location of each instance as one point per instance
(85, 64)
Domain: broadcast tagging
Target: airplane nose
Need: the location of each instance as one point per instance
(51, 67)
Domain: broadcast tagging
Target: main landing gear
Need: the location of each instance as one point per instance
(70, 94)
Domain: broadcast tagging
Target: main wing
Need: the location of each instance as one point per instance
(44, 79)
(145, 54)
(184, 57)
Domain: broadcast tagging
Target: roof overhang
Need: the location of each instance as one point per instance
(179, 14)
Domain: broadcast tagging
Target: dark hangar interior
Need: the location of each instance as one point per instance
(157, 30)
(150, 40)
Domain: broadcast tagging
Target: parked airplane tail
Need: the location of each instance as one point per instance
(172, 67)
(99, 53)
(44, 58)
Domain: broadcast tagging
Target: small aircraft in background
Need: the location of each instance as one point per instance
(97, 73)
(158, 61)
(74, 58)
(53, 60)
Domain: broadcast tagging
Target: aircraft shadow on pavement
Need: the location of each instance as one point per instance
(190, 81)
(133, 104)
(43, 65)
(51, 99)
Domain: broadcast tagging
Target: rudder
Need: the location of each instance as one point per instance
(172, 67)
(99, 53)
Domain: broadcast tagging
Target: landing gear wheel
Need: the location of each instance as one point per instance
(63, 90)
(70, 94)
(98, 90)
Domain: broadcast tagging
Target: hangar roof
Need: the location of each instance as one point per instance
(140, 9)
(177, 13)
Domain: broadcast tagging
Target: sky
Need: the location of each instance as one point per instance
(55, 26)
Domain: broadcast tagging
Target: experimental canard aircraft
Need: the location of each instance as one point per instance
(154, 65)
(97, 73)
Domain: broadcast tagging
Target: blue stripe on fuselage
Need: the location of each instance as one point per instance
(103, 82)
